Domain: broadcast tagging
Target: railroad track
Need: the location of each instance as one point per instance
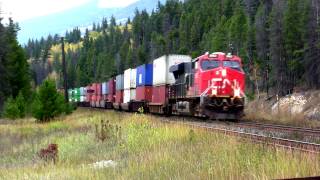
(281, 128)
(257, 138)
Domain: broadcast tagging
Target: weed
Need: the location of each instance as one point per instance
(192, 136)
(106, 131)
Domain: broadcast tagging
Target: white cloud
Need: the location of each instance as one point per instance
(26, 9)
(115, 3)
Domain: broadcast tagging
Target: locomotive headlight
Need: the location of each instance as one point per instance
(224, 72)
(214, 92)
(237, 93)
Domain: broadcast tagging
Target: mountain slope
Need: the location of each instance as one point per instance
(82, 16)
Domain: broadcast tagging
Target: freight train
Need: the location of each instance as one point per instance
(211, 85)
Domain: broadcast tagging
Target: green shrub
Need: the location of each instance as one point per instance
(11, 109)
(21, 104)
(15, 108)
(48, 102)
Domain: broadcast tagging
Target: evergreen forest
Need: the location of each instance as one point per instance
(278, 41)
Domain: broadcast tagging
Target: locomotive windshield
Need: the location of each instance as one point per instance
(232, 64)
(209, 64)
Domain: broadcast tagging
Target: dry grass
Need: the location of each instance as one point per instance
(146, 149)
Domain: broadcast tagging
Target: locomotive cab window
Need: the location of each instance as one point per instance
(209, 64)
(232, 64)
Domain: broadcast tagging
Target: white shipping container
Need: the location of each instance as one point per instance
(133, 94)
(161, 66)
(104, 88)
(83, 91)
(126, 96)
(127, 77)
(133, 81)
(82, 98)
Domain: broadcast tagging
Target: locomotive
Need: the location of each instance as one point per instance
(211, 85)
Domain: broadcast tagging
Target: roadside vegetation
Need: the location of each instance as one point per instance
(140, 147)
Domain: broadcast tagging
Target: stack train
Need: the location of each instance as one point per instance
(210, 86)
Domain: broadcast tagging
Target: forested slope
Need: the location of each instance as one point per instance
(278, 41)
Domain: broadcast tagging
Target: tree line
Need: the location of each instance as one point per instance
(277, 40)
(18, 95)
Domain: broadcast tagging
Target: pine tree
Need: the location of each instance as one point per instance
(17, 66)
(293, 31)
(278, 61)
(312, 39)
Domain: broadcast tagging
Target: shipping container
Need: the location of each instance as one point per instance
(144, 93)
(112, 90)
(105, 88)
(82, 98)
(77, 91)
(70, 95)
(160, 94)
(98, 99)
(126, 96)
(130, 78)
(82, 91)
(127, 77)
(133, 94)
(99, 89)
(161, 66)
(93, 100)
(88, 93)
(119, 82)
(119, 96)
(133, 78)
(144, 75)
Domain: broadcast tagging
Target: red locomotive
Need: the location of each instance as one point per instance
(212, 85)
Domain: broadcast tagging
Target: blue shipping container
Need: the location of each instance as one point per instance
(145, 75)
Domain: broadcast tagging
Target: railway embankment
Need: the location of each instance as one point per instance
(300, 109)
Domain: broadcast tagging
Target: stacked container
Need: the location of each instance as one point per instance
(93, 95)
(133, 84)
(119, 91)
(77, 95)
(83, 91)
(129, 88)
(70, 95)
(98, 94)
(112, 90)
(144, 83)
(88, 94)
(162, 78)
(105, 92)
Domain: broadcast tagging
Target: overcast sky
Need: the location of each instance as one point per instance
(26, 9)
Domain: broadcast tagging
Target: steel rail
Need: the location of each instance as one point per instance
(309, 131)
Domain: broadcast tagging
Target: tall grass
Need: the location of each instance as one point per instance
(146, 149)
